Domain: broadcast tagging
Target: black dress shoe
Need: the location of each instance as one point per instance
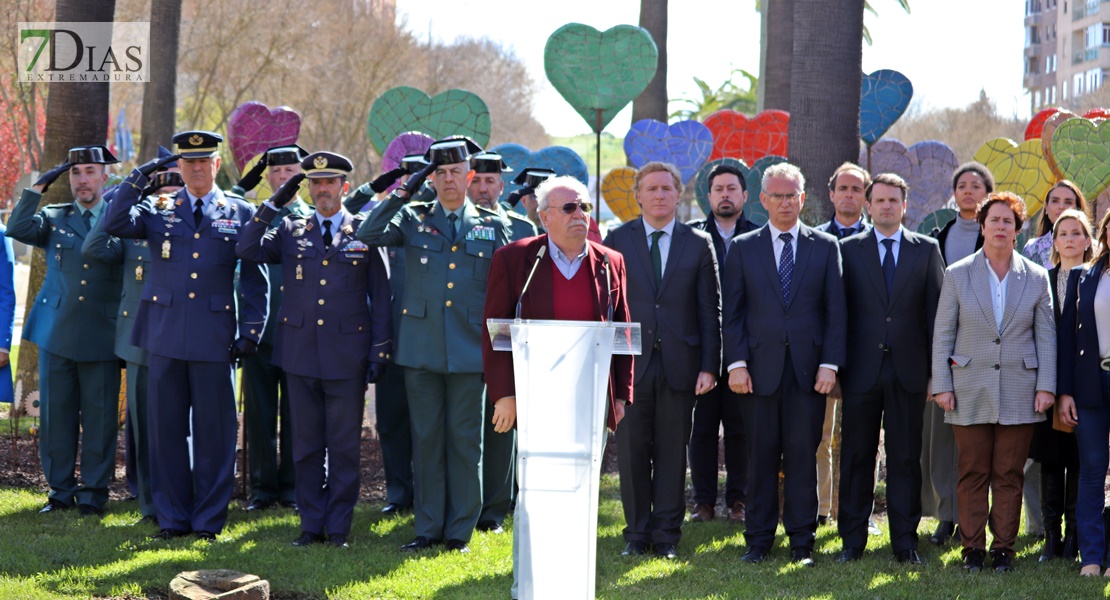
(490, 526)
(909, 557)
(395, 509)
(634, 549)
(338, 541)
(307, 539)
(458, 546)
(259, 505)
(973, 561)
(666, 551)
(88, 510)
(754, 556)
(289, 504)
(822, 520)
(147, 520)
(944, 532)
(53, 505)
(802, 556)
(206, 536)
(850, 555)
(169, 534)
(419, 543)
(1000, 561)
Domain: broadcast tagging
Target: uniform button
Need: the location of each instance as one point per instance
(155, 298)
(196, 255)
(997, 367)
(450, 285)
(282, 288)
(227, 307)
(299, 256)
(81, 298)
(320, 322)
(888, 319)
(454, 248)
(83, 282)
(192, 295)
(480, 255)
(323, 282)
(1081, 326)
(381, 355)
(360, 327)
(125, 313)
(320, 301)
(252, 332)
(1080, 353)
(451, 266)
(997, 341)
(425, 246)
(387, 356)
(880, 346)
(285, 319)
(448, 303)
(193, 275)
(140, 258)
(59, 246)
(404, 311)
(227, 239)
(196, 236)
(325, 263)
(354, 263)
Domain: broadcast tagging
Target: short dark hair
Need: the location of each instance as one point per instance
(1011, 200)
(979, 169)
(723, 169)
(891, 179)
(846, 167)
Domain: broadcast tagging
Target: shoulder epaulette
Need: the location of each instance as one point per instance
(488, 210)
(61, 206)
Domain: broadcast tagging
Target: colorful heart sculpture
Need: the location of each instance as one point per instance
(1097, 113)
(884, 96)
(701, 182)
(1047, 130)
(401, 109)
(618, 190)
(1082, 151)
(600, 71)
(1018, 168)
(560, 159)
(1033, 129)
(737, 136)
(926, 166)
(685, 144)
(936, 220)
(409, 142)
(754, 210)
(253, 128)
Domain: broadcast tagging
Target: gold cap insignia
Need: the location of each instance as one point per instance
(320, 162)
(196, 140)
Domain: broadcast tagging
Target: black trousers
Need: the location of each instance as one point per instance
(899, 413)
(651, 458)
(392, 407)
(717, 407)
(784, 429)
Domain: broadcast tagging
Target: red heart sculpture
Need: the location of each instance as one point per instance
(1033, 130)
(1097, 113)
(253, 128)
(737, 136)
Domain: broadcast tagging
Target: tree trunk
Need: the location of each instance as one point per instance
(652, 102)
(159, 96)
(825, 94)
(776, 55)
(76, 115)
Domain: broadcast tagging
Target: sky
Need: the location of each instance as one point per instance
(949, 49)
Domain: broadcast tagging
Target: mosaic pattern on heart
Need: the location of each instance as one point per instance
(617, 189)
(1018, 168)
(737, 136)
(926, 166)
(253, 128)
(401, 109)
(685, 144)
(1082, 152)
(884, 96)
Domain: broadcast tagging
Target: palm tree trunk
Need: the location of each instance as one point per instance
(159, 96)
(776, 56)
(652, 102)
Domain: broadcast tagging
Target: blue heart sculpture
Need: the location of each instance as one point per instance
(884, 96)
(560, 159)
(685, 144)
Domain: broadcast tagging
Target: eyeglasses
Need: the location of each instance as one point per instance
(570, 207)
(780, 198)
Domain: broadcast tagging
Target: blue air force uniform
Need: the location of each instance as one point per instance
(73, 323)
(187, 324)
(334, 321)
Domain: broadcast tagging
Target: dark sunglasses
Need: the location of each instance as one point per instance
(569, 207)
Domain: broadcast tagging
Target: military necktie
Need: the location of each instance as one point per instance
(327, 234)
(198, 212)
(87, 218)
(656, 258)
(888, 267)
(454, 220)
(786, 265)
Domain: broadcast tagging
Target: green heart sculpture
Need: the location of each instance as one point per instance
(1082, 152)
(401, 109)
(596, 70)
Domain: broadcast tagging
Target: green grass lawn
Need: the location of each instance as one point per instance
(66, 556)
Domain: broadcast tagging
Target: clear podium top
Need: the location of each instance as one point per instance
(626, 336)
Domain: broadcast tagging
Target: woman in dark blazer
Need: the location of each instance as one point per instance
(1055, 449)
(1084, 388)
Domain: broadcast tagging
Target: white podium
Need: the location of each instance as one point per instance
(562, 374)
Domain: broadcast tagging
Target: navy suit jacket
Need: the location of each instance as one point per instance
(758, 326)
(686, 308)
(1077, 335)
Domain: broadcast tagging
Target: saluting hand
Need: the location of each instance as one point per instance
(43, 182)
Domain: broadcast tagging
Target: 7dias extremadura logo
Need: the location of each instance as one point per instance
(84, 52)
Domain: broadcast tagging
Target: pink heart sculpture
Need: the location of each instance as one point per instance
(409, 142)
(253, 128)
(927, 168)
(737, 136)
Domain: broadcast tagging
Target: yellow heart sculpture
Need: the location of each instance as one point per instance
(1019, 168)
(617, 188)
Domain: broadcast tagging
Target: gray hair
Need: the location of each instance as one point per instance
(562, 181)
(784, 170)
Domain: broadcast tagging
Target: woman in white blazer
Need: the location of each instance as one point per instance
(994, 374)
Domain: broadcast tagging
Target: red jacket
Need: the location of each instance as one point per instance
(507, 273)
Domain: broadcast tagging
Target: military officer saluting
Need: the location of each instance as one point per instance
(73, 324)
(448, 247)
(187, 324)
(333, 337)
(134, 257)
(265, 389)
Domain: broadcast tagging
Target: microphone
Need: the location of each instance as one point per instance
(527, 282)
(608, 285)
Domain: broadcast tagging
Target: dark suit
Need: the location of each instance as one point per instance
(885, 379)
(680, 322)
(832, 227)
(719, 407)
(783, 345)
